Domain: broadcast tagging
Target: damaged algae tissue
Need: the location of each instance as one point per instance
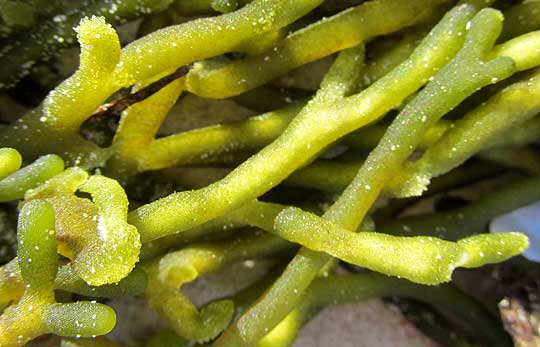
(308, 143)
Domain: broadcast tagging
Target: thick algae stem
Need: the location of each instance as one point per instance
(138, 126)
(422, 259)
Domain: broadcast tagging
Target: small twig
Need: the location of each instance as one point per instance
(116, 107)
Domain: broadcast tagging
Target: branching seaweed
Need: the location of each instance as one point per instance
(302, 139)
(307, 264)
(373, 128)
(103, 70)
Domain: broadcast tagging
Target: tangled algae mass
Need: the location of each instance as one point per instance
(316, 175)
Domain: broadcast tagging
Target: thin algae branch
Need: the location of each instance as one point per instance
(505, 110)
(470, 219)
(390, 114)
(132, 151)
(185, 265)
(15, 185)
(183, 316)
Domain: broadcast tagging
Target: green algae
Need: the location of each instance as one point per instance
(119, 247)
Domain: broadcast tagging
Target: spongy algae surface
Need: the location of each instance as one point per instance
(328, 137)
